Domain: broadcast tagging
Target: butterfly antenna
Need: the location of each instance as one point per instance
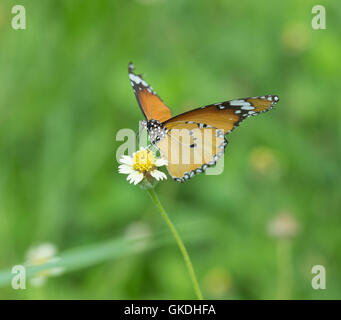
(138, 135)
(138, 138)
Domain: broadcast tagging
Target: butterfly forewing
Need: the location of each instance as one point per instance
(150, 103)
(225, 115)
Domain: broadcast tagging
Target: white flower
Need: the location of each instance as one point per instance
(142, 164)
(44, 253)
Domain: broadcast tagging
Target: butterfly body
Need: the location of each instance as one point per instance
(194, 140)
(156, 130)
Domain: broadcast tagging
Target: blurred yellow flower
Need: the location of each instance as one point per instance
(263, 160)
(217, 282)
(294, 37)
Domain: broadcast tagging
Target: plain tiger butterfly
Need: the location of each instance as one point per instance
(194, 140)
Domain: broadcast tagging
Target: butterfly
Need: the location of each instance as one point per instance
(194, 140)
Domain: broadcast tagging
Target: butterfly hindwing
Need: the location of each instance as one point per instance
(190, 148)
(150, 103)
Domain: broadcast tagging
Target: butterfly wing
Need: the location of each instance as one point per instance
(191, 148)
(226, 115)
(150, 103)
(195, 139)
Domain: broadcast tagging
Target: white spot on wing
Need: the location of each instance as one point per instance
(135, 78)
(249, 107)
(239, 103)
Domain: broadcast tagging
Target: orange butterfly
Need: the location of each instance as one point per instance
(194, 140)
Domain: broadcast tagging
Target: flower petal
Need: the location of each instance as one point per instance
(127, 160)
(161, 162)
(125, 169)
(135, 177)
(158, 175)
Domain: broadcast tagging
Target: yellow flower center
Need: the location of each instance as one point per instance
(144, 160)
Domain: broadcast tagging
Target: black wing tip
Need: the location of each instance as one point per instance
(271, 97)
(275, 98)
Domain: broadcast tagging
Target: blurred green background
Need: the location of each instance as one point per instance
(65, 93)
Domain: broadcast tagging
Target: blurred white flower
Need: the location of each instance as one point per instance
(139, 231)
(284, 225)
(44, 253)
(142, 164)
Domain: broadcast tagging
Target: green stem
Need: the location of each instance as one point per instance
(284, 269)
(179, 241)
